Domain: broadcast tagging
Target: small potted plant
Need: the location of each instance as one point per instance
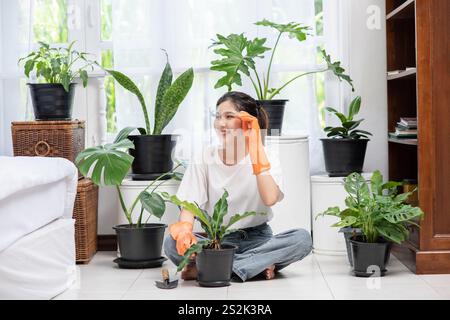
(55, 69)
(381, 215)
(153, 150)
(238, 58)
(214, 259)
(140, 243)
(345, 148)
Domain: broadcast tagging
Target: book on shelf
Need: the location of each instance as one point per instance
(394, 135)
(408, 122)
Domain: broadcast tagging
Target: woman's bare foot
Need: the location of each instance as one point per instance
(269, 273)
(189, 272)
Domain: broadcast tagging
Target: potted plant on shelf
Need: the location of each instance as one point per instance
(381, 215)
(238, 57)
(140, 243)
(153, 150)
(57, 68)
(214, 259)
(345, 148)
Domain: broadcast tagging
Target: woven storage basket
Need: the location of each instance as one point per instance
(85, 215)
(63, 139)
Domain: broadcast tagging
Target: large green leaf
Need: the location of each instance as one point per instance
(336, 68)
(220, 210)
(294, 29)
(357, 187)
(124, 133)
(164, 83)
(346, 222)
(376, 183)
(355, 105)
(129, 85)
(106, 165)
(196, 248)
(338, 114)
(153, 203)
(173, 97)
(392, 232)
(403, 214)
(238, 217)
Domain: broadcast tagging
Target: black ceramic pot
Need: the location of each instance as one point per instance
(51, 101)
(369, 259)
(215, 266)
(275, 112)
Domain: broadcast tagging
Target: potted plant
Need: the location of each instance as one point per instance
(153, 150)
(140, 243)
(381, 215)
(345, 148)
(53, 97)
(238, 58)
(214, 258)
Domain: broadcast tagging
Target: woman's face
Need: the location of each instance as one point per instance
(227, 122)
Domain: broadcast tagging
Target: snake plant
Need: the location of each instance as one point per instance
(168, 97)
(379, 211)
(238, 56)
(214, 225)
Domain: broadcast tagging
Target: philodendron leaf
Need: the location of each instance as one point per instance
(295, 30)
(376, 183)
(220, 210)
(153, 203)
(357, 187)
(346, 222)
(129, 85)
(164, 83)
(238, 217)
(336, 68)
(172, 99)
(403, 214)
(355, 105)
(107, 165)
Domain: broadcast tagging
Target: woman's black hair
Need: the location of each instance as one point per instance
(244, 102)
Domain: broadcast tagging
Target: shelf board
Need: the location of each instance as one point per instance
(411, 142)
(404, 11)
(411, 73)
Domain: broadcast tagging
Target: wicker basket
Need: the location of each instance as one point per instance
(85, 215)
(63, 139)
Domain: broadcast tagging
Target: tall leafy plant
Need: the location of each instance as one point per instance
(109, 164)
(58, 65)
(379, 211)
(168, 97)
(348, 128)
(213, 225)
(238, 56)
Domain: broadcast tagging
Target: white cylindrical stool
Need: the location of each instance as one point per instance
(294, 211)
(328, 192)
(130, 190)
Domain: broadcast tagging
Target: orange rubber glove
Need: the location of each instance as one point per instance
(251, 129)
(181, 232)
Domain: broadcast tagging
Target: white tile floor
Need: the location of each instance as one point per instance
(315, 277)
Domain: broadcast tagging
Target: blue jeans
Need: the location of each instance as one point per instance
(257, 249)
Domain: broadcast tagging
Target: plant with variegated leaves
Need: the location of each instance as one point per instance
(108, 165)
(168, 97)
(214, 225)
(239, 54)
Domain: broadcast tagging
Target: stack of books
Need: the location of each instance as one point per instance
(406, 128)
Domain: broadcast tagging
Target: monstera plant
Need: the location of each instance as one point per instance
(153, 150)
(214, 258)
(108, 165)
(238, 57)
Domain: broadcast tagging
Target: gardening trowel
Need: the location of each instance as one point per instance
(166, 283)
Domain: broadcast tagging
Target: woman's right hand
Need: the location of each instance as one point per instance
(181, 232)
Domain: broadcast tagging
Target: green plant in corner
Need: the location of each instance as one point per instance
(379, 211)
(168, 97)
(109, 164)
(239, 54)
(347, 129)
(57, 65)
(213, 225)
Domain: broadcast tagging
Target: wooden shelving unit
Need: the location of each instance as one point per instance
(417, 36)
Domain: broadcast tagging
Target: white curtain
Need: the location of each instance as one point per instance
(185, 29)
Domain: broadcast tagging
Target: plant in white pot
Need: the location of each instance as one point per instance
(214, 258)
(345, 146)
(153, 150)
(55, 70)
(238, 56)
(381, 215)
(139, 242)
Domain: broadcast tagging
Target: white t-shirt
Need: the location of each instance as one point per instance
(207, 176)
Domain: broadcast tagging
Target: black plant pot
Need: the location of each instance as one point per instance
(140, 244)
(215, 266)
(275, 112)
(51, 101)
(344, 156)
(369, 258)
(348, 233)
(152, 155)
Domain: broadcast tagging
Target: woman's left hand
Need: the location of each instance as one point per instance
(250, 127)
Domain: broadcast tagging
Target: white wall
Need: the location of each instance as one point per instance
(368, 66)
